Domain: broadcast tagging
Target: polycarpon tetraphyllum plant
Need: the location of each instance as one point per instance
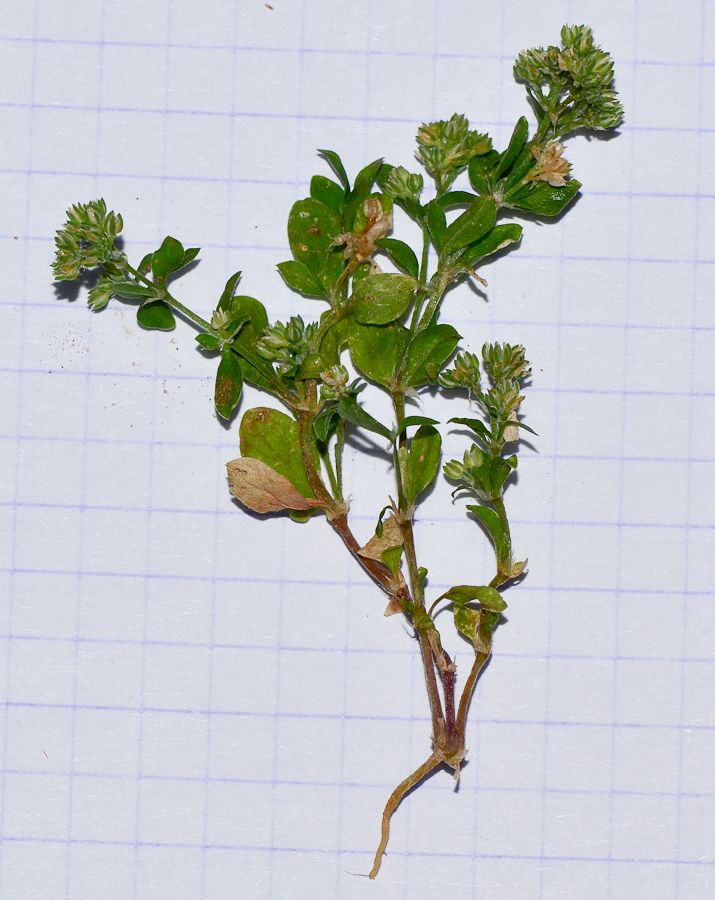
(392, 326)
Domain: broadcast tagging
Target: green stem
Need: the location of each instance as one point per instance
(172, 300)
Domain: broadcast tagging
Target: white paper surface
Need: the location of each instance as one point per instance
(199, 704)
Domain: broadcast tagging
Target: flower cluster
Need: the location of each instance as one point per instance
(570, 86)
(86, 241)
(286, 344)
(446, 147)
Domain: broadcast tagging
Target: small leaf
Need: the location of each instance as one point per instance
(377, 350)
(472, 225)
(481, 172)
(312, 228)
(454, 198)
(391, 537)
(327, 191)
(131, 290)
(391, 558)
(262, 489)
(156, 315)
(428, 353)
(498, 238)
(325, 426)
(337, 166)
(168, 258)
(409, 421)
(356, 415)
(402, 255)
(228, 293)
(436, 223)
(543, 199)
(467, 621)
(229, 383)
(145, 265)
(208, 341)
(190, 255)
(301, 279)
(381, 299)
(490, 520)
(361, 191)
(476, 425)
(517, 141)
(464, 593)
(273, 437)
(333, 341)
(422, 462)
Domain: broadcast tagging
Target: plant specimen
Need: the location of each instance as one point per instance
(391, 323)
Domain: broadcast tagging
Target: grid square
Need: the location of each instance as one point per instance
(639, 680)
(308, 751)
(659, 880)
(174, 745)
(581, 690)
(646, 760)
(106, 871)
(579, 758)
(241, 748)
(36, 806)
(697, 694)
(227, 826)
(645, 827)
(38, 740)
(169, 871)
(171, 811)
(176, 677)
(509, 824)
(109, 674)
(106, 742)
(33, 869)
(104, 809)
(576, 825)
(200, 79)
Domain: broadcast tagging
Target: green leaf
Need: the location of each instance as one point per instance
(334, 339)
(273, 437)
(361, 191)
(476, 425)
(436, 223)
(543, 199)
(327, 191)
(481, 172)
(454, 198)
(208, 341)
(464, 593)
(467, 621)
(168, 258)
(377, 350)
(356, 415)
(380, 299)
(402, 255)
(227, 296)
(337, 166)
(409, 421)
(325, 425)
(229, 383)
(427, 354)
(472, 225)
(156, 315)
(312, 228)
(190, 255)
(145, 265)
(422, 462)
(490, 520)
(301, 279)
(391, 558)
(498, 238)
(518, 139)
(131, 290)
(255, 369)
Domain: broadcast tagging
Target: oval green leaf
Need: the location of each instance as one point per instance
(156, 315)
(301, 279)
(381, 299)
(273, 437)
(422, 462)
(229, 383)
(402, 255)
(428, 353)
(377, 350)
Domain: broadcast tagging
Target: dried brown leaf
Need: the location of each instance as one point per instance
(391, 537)
(262, 489)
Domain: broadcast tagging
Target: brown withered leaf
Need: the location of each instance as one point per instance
(262, 489)
(391, 537)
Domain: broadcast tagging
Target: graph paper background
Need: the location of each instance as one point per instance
(201, 705)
